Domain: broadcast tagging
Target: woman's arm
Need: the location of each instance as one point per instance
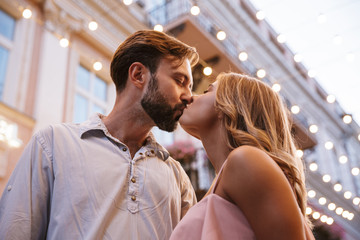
(255, 183)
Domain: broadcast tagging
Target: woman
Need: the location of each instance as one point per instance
(259, 191)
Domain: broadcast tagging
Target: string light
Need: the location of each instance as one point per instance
(281, 38)
(337, 187)
(308, 210)
(312, 73)
(345, 214)
(159, 28)
(299, 153)
(261, 73)
(93, 25)
(347, 194)
(243, 56)
(316, 215)
(276, 87)
(330, 98)
(295, 109)
(322, 201)
(329, 145)
(326, 178)
(64, 42)
(127, 2)
(355, 171)
(323, 218)
(313, 166)
(350, 216)
(347, 119)
(97, 66)
(343, 159)
(330, 221)
(311, 194)
(298, 57)
(207, 71)
(339, 211)
(221, 35)
(331, 206)
(195, 10)
(260, 15)
(27, 13)
(356, 201)
(359, 136)
(313, 128)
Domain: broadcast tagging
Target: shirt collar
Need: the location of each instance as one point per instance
(95, 123)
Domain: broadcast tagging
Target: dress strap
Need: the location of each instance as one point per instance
(218, 177)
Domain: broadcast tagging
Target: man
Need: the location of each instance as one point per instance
(107, 178)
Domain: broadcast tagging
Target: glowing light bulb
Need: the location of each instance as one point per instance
(93, 25)
(195, 10)
(311, 194)
(326, 178)
(97, 66)
(207, 71)
(347, 194)
(64, 42)
(347, 119)
(295, 109)
(27, 13)
(127, 2)
(299, 153)
(221, 35)
(337, 187)
(298, 57)
(159, 28)
(260, 15)
(243, 56)
(329, 145)
(343, 159)
(313, 167)
(355, 171)
(261, 73)
(276, 87)
(331, 206)
(330, 98)
(313, 128)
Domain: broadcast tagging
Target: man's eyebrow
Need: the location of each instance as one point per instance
(181, 75)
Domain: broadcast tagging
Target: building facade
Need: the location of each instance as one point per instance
(54, 67)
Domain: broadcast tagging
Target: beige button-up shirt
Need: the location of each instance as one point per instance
(76, 181)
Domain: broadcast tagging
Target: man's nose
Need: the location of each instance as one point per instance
(187, 97)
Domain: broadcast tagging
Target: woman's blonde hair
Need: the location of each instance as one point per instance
(254, 114)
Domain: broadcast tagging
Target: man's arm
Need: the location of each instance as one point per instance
(188, 197)
(25, 202)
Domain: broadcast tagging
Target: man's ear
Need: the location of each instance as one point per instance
(137, 73)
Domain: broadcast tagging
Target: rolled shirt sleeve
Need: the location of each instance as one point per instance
(25, 202)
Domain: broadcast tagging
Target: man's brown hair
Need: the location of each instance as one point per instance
(147, 47)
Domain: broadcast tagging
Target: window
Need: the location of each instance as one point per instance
(7, 27)
(91, 95)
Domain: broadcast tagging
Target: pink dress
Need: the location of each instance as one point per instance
(213, 218)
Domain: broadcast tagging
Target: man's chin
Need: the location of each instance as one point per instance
(168, 128)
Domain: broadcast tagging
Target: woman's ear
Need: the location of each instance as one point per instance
(136, 74)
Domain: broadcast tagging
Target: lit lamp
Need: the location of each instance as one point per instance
(8, 134)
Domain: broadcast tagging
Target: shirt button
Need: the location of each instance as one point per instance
(124, 149)
(133, 180)
(133, 198)
(9, 188)
(152, 151)
(141, 153)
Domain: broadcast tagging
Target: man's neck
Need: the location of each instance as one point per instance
(128, 124)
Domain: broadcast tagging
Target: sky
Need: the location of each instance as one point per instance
(326, 33)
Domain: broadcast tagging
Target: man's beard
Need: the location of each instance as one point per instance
(160, 111)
